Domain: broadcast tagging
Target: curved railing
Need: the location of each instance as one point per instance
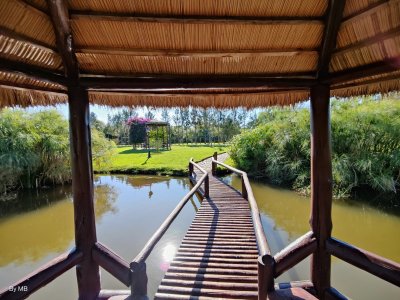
(138, 265)
(265, 260)
(271, 267)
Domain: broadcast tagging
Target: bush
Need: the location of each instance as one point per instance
(365, 147)
(35, 149)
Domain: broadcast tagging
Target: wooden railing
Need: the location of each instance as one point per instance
(39, 278)
(265, 260)
(138, 265)
(304, 246)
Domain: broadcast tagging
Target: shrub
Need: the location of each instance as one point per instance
(365, 147)
(35, 149)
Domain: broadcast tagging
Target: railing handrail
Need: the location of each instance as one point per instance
(262, 243)
(145, 252)
(197, 166)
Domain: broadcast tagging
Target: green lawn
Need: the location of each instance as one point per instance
(173, 162)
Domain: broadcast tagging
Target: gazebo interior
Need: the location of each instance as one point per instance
(205, 53)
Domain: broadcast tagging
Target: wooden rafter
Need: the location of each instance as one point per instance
(370, 9)
(365, 71)
(75, 15)
(394, 32)
(176, 53)
(34, 6)
(31, 87)
(368, 81)
(24, 38)
(60, 19)
(31, 71)
(190, 83)
(333, 19)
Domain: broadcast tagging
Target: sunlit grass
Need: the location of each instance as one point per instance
(175, 161)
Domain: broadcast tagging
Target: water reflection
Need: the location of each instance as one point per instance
(285, 217)
(129, 209)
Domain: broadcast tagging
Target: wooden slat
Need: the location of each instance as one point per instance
(218, 257)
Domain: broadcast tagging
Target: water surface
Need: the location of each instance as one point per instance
(37, 227)
(285, 217)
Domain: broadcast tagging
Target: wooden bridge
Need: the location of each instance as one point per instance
(224, 254)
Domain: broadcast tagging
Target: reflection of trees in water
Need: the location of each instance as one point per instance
(105, 197)
(32, 199)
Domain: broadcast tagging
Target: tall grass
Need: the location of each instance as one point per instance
(365, 147)
(34, 149)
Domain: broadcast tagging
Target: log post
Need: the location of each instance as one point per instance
(213, 164)
(190, 169)
(244, 189)
(265, 276)
(321, 186)
(138, 279)
(207, 187)
(82, 188)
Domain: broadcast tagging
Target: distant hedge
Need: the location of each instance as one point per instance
(34, 149)
(365, 147)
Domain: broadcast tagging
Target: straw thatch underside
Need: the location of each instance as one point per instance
(198, 37)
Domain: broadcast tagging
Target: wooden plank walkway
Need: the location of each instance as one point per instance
(217, 258)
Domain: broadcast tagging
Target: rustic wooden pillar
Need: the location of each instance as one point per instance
(207, 187)
(244, 189)
(321, 186)
(82, 187)
(265, 276)
(213, 164)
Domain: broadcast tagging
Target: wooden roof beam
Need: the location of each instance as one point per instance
(368, 81)
(60, 19)
(191, 83)
(333, 19)
(365, 71)
(24, 38)
(193, 19)
(33, 5)
(184, 53)
(31, 71)
(368, 10)
(13, 85)
(394, 32)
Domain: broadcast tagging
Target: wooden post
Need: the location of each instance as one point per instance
(207, 187)
(244, 190)
(82, 188)
(265, 276)
(213, 164)
(321, 186)
(138, 279)
(190, 169)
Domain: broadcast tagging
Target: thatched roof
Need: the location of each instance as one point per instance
(221, 53)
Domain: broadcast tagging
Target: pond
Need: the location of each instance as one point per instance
(36, 227)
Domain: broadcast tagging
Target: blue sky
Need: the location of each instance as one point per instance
(101, 111)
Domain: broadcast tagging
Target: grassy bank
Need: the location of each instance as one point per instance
(172, 162)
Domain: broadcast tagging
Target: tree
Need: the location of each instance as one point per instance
(96, 123)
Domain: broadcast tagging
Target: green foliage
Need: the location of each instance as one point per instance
(102, 150)
(35, 149)
(365, 147)
(137, 133)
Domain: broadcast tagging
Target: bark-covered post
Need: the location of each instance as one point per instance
(213, 164)
(321, 186)
(82, 187)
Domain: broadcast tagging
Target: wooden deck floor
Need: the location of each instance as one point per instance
(218, 256)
